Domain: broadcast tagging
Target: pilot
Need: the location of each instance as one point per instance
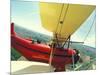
(76, 56)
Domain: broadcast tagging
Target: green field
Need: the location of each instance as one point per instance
(14, 54)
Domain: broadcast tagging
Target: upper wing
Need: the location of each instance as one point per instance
(64, 19)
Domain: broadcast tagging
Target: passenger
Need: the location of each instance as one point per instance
(33, 41)
(38, 41)
(77, 52)
(76, 56)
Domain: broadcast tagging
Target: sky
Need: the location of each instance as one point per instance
(26, 14)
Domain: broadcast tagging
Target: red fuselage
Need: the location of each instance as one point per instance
(40, 52)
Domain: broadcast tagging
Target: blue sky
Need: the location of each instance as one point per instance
(26, 14)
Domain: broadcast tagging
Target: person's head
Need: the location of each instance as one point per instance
(38, 41)
(77, 52)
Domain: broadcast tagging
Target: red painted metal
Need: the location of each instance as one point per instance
(40, 52)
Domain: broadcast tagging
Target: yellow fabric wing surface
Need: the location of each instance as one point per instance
(64, 19)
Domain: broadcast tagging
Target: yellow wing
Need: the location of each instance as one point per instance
(64, 19)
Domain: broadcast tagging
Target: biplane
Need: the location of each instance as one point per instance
(61, 19)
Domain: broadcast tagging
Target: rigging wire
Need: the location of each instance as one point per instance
(59, 18)
(61, 22)
(52, 49)
(51, 56)
(89, 29)
(84, 40)
(55, 36)
(66, 11)
(66, 41)
(73, 61)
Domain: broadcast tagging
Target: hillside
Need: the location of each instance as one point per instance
(87, 53)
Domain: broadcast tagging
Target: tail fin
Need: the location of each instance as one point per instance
(12, 29)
